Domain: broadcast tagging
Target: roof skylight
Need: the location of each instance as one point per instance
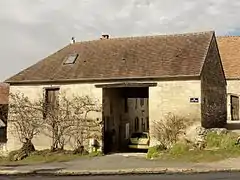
(71, 58)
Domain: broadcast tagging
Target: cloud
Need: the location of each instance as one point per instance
(31, 30)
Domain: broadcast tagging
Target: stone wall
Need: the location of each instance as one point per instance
(174, 97)
(213, 87)
(36, 92)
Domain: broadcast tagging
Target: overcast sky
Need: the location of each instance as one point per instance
(33, 29)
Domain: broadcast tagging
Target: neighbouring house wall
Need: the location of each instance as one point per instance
(174, 97)
(3, 127)
(3, 123)
(233, 88)
(36, 92)
(213, 87)
(138, 110)
(4, 93)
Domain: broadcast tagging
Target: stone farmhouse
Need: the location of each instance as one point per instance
(229, 47)
(139, 80)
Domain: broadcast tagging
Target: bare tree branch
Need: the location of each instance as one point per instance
(168, 130)
(68, 119)
(24, 117)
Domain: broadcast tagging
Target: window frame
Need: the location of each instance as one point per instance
(72, 55)
(45, 103)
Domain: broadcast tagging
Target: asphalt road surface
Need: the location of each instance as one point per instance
(210, 176)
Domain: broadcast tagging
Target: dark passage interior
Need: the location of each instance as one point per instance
(125, 111)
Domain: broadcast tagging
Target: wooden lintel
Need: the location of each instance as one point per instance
(126, 84)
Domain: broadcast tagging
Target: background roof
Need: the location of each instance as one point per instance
(4, 93)
(229, 48)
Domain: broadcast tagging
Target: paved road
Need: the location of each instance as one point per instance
(124, 161)
(212, 176)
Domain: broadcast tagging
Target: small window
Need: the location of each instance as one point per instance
(70, 59)
(142, 101)
(136, 124)
(143, 124)
(136, 104)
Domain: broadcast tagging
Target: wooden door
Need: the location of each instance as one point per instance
(234, 108)
(51, 101)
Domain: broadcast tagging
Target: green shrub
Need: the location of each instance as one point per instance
(221, 141)
(153, 152)
(95, 153)
(179, 148)
(170, 129)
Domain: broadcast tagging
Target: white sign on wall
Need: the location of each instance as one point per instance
(194, 100)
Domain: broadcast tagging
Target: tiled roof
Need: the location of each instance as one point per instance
(120, 58)
(229, 48)
(4, 93)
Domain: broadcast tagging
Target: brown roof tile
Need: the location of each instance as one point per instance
(229, 48)
(4, 93)
(131, 57)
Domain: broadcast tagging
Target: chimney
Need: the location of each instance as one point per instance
(73, 40)
(105, 36)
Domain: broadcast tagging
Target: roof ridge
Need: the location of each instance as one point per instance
(149, 36)
(207, 51)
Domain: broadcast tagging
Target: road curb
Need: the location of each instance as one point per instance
(140, 171)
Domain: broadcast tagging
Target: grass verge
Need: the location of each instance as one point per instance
(218, 147)
(200, 155)
(39, 157)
